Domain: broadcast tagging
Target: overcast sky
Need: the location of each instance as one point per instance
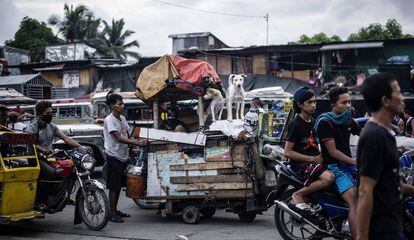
(153, 21)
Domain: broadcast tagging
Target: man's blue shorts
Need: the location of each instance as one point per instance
(344, 176)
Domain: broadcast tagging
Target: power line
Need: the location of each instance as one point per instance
(277, 29)
(208, 11)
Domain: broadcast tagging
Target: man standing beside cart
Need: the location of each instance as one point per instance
(116, 149)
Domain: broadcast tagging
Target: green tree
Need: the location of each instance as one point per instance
(78, 23)
(33, 35)
(113, 41)
(319, 38)
(376, 31)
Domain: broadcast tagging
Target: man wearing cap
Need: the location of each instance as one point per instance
(303, 150)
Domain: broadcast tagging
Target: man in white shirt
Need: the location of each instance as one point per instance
(116, 149)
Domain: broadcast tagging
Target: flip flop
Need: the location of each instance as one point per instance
(116, 218)
(303, 206)
(121, 214)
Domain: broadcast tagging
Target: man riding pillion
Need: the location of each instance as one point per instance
(47, 131)
(334, 129)
(303, 150)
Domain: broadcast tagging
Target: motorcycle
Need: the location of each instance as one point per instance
(329, 214)
(74, 167)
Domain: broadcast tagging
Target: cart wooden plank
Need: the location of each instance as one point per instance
(230, 193)
(215, 186)
(220, 194)
(206, 166)
(208, 179)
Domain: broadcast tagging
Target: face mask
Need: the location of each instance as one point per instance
(47, 118)
(345, 117)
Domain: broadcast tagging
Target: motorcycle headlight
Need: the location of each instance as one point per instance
(87, 162)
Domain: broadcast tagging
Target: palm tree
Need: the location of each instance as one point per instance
(112, 40)
(77, 24)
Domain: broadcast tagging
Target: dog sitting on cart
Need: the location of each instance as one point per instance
(196, 172)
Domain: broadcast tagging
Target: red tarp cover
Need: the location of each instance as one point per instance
(188, 75)
(193, 71)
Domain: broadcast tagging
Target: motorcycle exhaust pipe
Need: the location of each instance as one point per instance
(298, 217)
(286, 208)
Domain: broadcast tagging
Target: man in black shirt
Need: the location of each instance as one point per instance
(303, 150)
(380, 202)
(334, 130)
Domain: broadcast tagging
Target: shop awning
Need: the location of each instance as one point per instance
(340, 46)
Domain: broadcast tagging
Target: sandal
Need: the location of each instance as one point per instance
(303, 206)
(116, 218)
(121, 214)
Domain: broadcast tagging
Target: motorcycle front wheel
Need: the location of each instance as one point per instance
(94, 208)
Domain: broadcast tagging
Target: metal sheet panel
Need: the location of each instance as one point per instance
(340, 46)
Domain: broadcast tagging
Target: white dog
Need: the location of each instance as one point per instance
(235, 94)
(216, 105)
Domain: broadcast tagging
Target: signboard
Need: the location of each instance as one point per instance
(71, 79)
(218, 153)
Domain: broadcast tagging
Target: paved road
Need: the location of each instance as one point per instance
(144, 224)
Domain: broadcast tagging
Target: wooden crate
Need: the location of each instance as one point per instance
(175, 170)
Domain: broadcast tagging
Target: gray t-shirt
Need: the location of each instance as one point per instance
(46, 135)
(112, 147)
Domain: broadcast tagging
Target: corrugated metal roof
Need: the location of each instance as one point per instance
(187, 35)
(356, 45)
(51, 68)
(17, 79)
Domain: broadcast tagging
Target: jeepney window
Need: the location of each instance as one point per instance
(132, 114)
(147, 114)
(88, 111)
(103, 110)
(30, 111)
(55, 112)
(70, 112)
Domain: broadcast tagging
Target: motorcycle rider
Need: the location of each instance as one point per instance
(334, 130)
(380, 202)
(47, 132)
(303, 150)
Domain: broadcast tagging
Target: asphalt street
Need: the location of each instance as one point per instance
(144, 224)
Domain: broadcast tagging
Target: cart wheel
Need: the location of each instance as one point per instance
(208, 212)
(247, 217)
(191, 215)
